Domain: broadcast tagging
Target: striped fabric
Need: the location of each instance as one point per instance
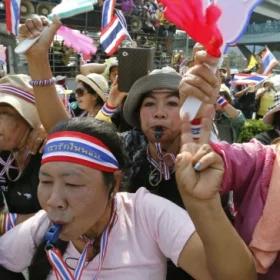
(17, 92)
(113, 27)
(268, 61)
(80, 148)
(12, 15)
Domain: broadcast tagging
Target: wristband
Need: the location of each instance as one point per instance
(221, 101)
(108, 110)
(42, 83)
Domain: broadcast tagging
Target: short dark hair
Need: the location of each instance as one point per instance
(104, 131)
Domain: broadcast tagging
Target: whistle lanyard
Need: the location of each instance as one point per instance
(161, 165)
(9, 221)
(60, 268)
(7, 167)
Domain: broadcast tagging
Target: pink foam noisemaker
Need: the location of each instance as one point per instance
(76, 40)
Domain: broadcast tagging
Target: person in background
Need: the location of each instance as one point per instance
(244, 97)
(251, 171)
(91, 93)
(21, 136)
(228, 119)
(109, 69)
(272, 117)
(264, 98)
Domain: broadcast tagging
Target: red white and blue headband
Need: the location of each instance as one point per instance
(80, 148)
(17, 92)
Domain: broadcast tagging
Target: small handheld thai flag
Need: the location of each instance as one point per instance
(113, 27)
(268, 61)
(12, 15)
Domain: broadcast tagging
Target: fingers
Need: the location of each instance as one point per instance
(200, 82)
(186, 131)
(210, 159)
(201, 57)
(207, 124)
(201, 152)
(34, 25)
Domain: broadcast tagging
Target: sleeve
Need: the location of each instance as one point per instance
(18, 245)
(237, 124)
(168, 224)
(245, 164)
(102, 117)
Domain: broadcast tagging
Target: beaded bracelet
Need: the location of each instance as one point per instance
(42, 83)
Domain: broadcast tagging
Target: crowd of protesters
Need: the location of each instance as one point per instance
(125, 188)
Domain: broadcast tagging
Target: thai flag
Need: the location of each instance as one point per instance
(12, 15)
(113, 27)
(268, 61)
(246, 79)
(107, 12)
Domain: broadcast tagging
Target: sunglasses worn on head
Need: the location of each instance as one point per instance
(79, 92)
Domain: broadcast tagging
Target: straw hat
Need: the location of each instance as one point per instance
(97, 82)
(16, 91)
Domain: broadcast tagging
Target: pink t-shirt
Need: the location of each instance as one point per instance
(148, 230)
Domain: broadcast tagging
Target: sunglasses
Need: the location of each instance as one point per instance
(79, 92)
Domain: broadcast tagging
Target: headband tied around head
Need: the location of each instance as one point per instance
(80, 148)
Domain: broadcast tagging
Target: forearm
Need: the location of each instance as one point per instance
(49, 106)
(98, 68)
(231, 111)
(227, 255)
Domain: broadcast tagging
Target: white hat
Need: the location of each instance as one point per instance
(97, 82)
(16, 91)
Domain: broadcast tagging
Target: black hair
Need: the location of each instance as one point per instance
(106, 133)
(99, 100)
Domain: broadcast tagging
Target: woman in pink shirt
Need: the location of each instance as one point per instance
(251, 171)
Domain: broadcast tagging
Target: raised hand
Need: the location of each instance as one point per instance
(116, 97)
(41, 27)
(199, 170)
(200, 81)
